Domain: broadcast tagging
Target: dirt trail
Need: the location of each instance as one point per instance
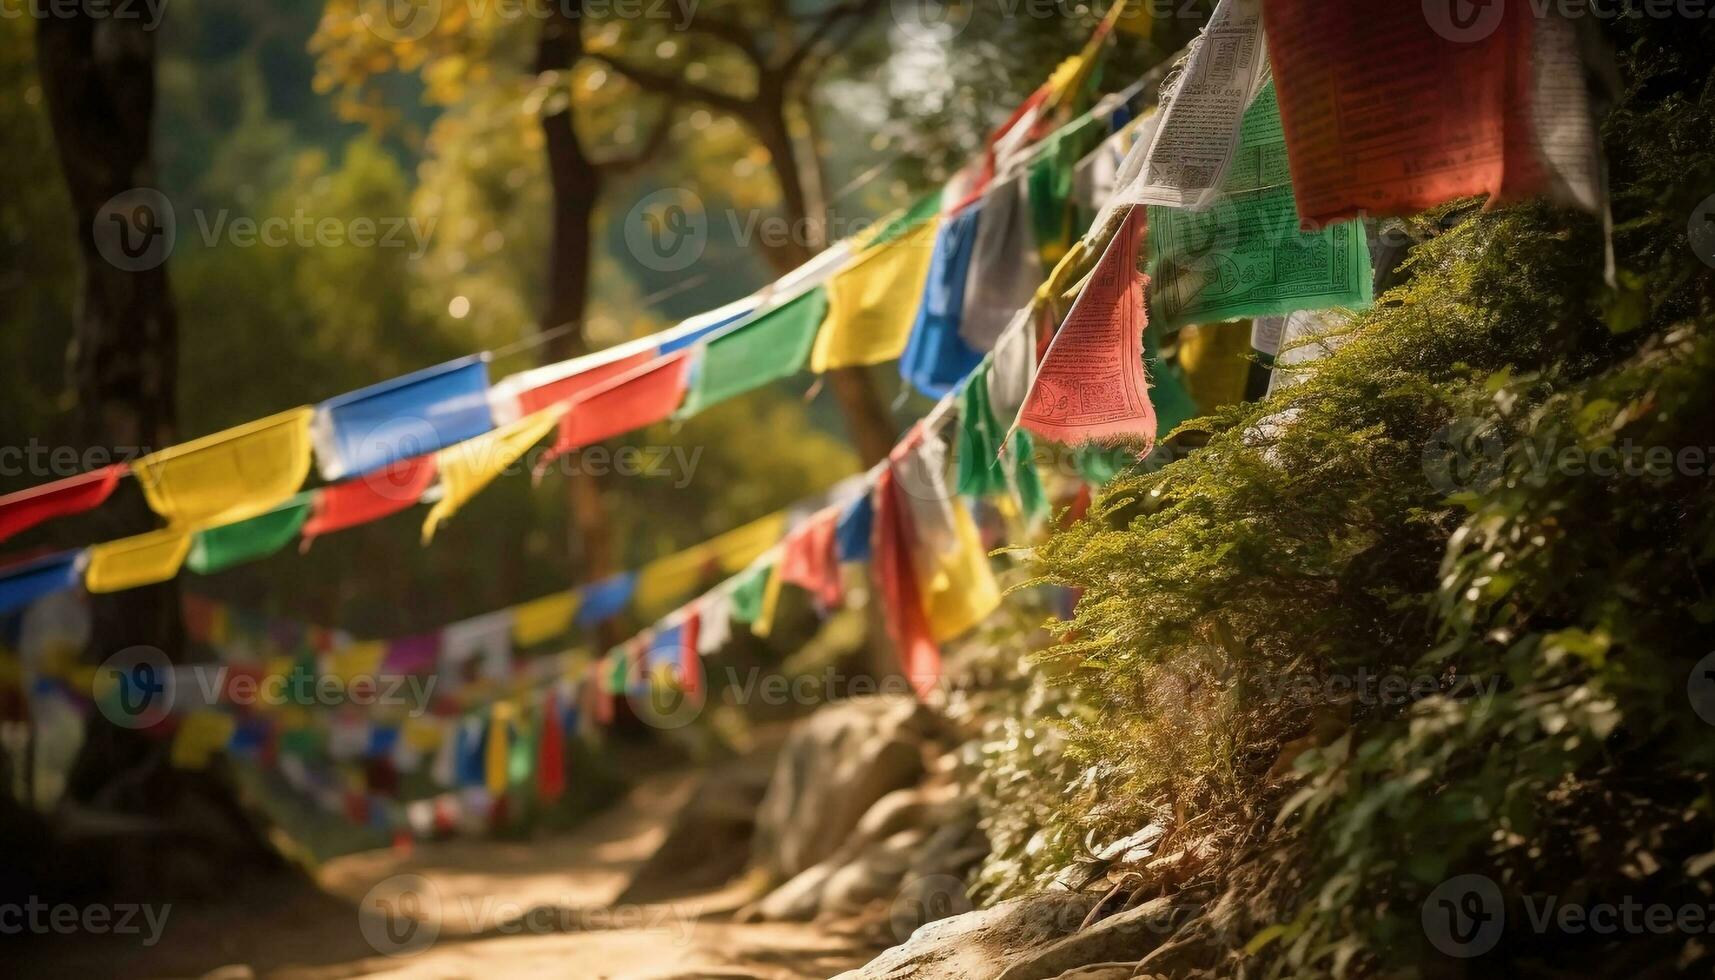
(469, 897)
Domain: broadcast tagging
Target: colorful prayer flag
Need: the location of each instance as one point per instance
(471, 465)
(23, 584)
(638, 398)
(935, 356)
(142, 559)
(407, 416)
(603, 600)
(542, 620)
(72, 495)
(369, 497)
(230, 475)
(217, 548)
(872, 303)
(773, 346)
(1091, 383)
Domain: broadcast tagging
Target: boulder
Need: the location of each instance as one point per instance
(1128, 935)
(980, 943)
(834, 767)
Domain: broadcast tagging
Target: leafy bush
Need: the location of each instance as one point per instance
(1417, 507)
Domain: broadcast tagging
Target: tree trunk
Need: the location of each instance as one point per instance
(97, 73)
(868, 420)
(575, 181)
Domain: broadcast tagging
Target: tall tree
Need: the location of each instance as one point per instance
(98, 75)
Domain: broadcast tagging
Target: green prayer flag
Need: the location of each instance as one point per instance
(222, 547)
(619, 671)
(773, 346)
(921, 210)
(1048, 185)
(982, 469)
(521, 753)
(747, 595)
(1245, 255)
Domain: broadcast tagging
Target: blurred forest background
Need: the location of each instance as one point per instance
(268, 109)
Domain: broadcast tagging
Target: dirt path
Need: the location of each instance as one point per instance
(495, 910)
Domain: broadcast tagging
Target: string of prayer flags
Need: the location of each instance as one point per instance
(531, 391)
(935, 355)
(370, 497)
(468, 467)
(1388, 110)
(808, 559)
(1004, 267)
(1186, 159)
(636, 399)
(72, 495)
(897, 587)
(230, 475)
(1244, 255)
(775, 345)
(542, 620)
(1091, 384)
(23, 584)
(216, 548)
(872, 303)
(663, 582)
(407, 416)
(142, 559)
(605, 599)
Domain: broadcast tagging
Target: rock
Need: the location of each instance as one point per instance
(1101, 971)
(1133, 847)
(981, 943)
(1126, 935)
(835, 766)
(708, 842)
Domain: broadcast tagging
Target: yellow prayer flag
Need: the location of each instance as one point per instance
(872, 303)
(544, 619)
(1214, 357)
(960, 590)
(469, 466)
(142, 559)
(231, 475)
(662, 583)
(423, 734)
(201, 734)
(764, 622)
(356, 660)
(499, 749)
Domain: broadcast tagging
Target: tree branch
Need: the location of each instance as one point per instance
(823, 28)
(676, 86)
(652, 145)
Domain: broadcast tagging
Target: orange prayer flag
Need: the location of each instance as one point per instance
(1091, 383)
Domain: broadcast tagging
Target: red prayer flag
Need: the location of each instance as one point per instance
(639, 397)
(72, 495)
(567, 388)
(1392, 108)
(808, 559)
(1091, 383)
(550, 755)
(896, 584)
(690, 661)
(369, 497)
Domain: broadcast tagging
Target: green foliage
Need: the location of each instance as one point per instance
(1417, 505)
